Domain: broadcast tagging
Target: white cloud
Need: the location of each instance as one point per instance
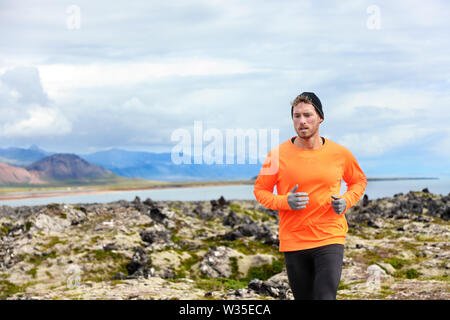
(133, 104)
(403, 102)
(379, 142)
(57, 78)
(39, 121)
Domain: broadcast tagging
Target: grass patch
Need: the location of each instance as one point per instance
(387, 234)
(53, 241)
(102, 255)
(4, 229)
(186, 265)
(408, 274)
(236, 208)
(32, 272)
(110, 263)
(347, 286)
(245, 246)
(8, 288)
(397, 263)
(220, 284)
(265, 271)
(37, 260)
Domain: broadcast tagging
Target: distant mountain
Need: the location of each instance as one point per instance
(15, 175)
(159, 166)
(21, 157)
(129, 164)
(117, 158)
(60, 169)
(63, 166)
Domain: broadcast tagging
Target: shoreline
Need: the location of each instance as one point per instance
(50, 194)
(111, 189)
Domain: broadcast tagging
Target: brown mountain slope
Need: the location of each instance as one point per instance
(10, 174)
(62, 166)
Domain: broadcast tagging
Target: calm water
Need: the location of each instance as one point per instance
(375, 189)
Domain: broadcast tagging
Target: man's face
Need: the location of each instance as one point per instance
(306, 120)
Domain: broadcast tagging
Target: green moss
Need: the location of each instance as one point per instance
(94, 240)
(175, 239)
(28, 225)
(4, 229)
(444, 277)
(53, 206)
(8, 288)
(425, 238)
(236, 208)
(176, 210)
(53, 241)
(385, 292)
(412, 274)
(234, 268)
(409, 245)
(105, 255)
(32, 272)
(108, 263)
(387, 234)
(220, 284)
(265, 271)
(37, 260)
(347, 286)
(186, 265)
(397, 263)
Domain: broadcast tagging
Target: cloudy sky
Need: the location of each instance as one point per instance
(83, 76)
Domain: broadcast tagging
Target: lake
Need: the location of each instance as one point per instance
(374, 189)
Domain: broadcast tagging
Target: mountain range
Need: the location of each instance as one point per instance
(37, 166)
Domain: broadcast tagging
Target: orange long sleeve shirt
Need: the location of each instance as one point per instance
(319, 173)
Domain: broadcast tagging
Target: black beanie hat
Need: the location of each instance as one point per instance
(315, 102)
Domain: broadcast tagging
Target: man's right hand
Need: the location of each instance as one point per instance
(297, 200)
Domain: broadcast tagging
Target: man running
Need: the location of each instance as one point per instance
(312, 226)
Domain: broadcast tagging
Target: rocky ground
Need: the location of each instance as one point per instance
(397, 248)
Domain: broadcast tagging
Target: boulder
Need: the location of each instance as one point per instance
(216, 262)
(231, 219)
(76, 215)
(139, 264)
(277, 286)
(157, 215)
(157, 233)
(46, 223)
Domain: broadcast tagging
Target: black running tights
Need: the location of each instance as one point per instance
(314, 274)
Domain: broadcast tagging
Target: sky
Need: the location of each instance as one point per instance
(86, 76)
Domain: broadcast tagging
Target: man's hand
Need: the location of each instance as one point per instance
(338, 204)
(297, 200)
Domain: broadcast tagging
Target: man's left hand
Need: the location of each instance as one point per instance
(338, 204)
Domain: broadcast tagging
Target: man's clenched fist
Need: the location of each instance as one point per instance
(297, 200)
(338, 204)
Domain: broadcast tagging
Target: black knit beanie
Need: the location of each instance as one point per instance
(315, 102)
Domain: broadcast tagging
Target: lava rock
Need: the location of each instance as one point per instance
(157, 215)
(138, 266)
(231, 219)
(156, 234)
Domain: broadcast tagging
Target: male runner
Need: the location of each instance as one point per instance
(312, 224)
